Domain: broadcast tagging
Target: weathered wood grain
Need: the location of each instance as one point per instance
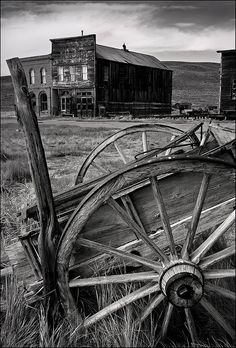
(103, 191)
(163, 214)
(124, 301)
(196, 215)
(199, 253)
(49, 227)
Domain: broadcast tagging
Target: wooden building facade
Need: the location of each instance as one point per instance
(84, 79)
(227, 98)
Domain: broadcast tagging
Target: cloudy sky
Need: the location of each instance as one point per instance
(170, 30)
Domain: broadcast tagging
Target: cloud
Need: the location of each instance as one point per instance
(144, 26)
(184, 25)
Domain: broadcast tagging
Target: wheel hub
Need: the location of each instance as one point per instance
(182, 284)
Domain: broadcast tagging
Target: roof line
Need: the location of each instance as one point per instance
(128, 51)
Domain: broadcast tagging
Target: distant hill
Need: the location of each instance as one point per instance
(197, 83)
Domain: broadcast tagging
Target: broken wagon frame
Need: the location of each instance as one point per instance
(148, 215)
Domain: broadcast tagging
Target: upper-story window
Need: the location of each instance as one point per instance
(85, 72)
(72, 73)
(32, 76)
(61, 73)
(105, 77)
(43, 75)
(233, 91)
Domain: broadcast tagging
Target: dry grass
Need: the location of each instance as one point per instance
(26, 326)
(23, 326)
(65, 149)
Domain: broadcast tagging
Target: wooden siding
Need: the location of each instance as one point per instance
(228, 74)
(137, 89)
(74, 52)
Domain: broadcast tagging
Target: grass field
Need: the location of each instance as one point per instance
(66, 148)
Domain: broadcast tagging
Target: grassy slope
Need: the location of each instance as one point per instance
(197, 83)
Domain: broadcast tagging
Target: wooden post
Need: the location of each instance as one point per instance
(49, 227)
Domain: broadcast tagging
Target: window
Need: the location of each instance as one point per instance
(32, 76)
(72, 73)
(85, 72)
(105, 77)
(60, 73)
(43, 102)
(43, 75)
(233, 91)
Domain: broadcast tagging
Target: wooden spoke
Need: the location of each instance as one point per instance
(166, 320)
(217, 316)
(168, 151)
(121, 153)
(196, 216)
(198, 254)
(221, 291)
(219, 273)
(191, 325)
(117, 252)
(100, 168)
(219, 256)
(144, 141)
(153, 304)
(124, 301)
(113, 279)
(128, 203)
(132, 224)
(163, 214)
(129, 212)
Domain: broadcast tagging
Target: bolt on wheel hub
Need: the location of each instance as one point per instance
(182, 284)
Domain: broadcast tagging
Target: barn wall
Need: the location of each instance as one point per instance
(228, 74)
(138, 89)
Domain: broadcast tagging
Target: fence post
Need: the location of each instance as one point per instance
(49, 226)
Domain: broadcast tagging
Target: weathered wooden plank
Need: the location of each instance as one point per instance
(223, 135)
(49, 227)
(19, 263)
(84, 260)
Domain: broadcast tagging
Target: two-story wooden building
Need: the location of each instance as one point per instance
(227, 98)
(82, 78)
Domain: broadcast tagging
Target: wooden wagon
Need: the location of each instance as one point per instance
(153, 222)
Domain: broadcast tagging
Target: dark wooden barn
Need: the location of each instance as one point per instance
(130, 81)
(84, 79)
(227, 98)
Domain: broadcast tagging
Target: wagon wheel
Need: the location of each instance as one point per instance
(124, 145)
(179, 274)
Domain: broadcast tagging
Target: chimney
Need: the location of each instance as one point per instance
(82, 32)
(124, 47)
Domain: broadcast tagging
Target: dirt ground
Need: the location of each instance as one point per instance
(183, 124)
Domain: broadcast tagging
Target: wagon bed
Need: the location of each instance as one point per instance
(154, 222)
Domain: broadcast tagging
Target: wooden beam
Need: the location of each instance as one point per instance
(49, 227)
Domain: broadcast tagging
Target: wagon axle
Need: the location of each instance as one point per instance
(182, 283)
